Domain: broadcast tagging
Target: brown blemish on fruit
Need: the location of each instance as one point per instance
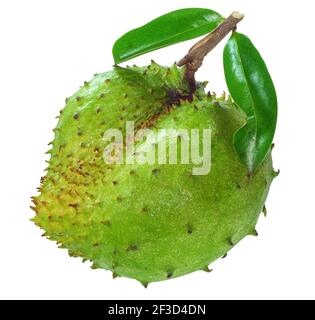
(106, 222)
(74, 205)
(133, 247)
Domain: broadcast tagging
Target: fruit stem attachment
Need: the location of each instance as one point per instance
(194, 58)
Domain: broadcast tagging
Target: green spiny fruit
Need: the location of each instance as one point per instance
(147, 222)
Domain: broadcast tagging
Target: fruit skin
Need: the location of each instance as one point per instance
(147, 222)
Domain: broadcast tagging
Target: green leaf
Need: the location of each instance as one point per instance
(252, 89)
(171, 28)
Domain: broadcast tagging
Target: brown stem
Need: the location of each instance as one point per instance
(194, 58)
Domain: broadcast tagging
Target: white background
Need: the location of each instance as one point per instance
(47, 50)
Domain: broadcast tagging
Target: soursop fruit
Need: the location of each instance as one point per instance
(149, 222)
